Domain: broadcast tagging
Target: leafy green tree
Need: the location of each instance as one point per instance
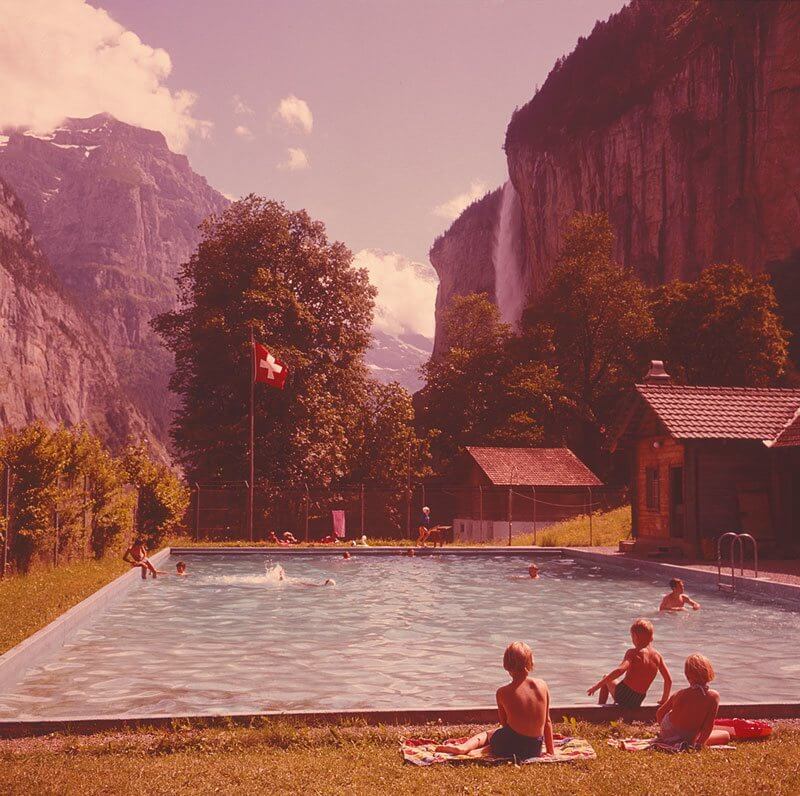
(261, 266)
(162, 497)
(479, 392)
(591, 324)
(723, 328)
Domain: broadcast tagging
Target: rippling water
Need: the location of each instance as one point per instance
(392, 632)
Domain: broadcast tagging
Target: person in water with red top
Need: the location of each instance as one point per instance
(640, 666)
(687, 717)
(524, 708)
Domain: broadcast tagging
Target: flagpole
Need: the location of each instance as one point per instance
(251, 485)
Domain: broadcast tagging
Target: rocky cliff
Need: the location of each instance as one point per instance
(678, 119)
(462, 257)
(55, 365)
(116, 213)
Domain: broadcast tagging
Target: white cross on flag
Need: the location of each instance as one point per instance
(267, 369)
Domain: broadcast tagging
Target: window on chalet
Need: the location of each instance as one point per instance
(652, 489)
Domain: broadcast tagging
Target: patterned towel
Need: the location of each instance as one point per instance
(640, 744)
(420, 752)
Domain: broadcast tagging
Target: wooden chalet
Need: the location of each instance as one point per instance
(524, 489)
(708, 460)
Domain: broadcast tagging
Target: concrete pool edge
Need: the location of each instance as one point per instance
(751, 587)
(595, 714)
(30, 651)
(358, 550)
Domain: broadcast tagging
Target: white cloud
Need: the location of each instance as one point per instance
(406, 292)
(62, 58)
(240, 107)
(296, 113)
(296, 160)
(230, 197)
(244, 132)
(453, 208)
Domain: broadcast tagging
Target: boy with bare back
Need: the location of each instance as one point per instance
(676, 600)
(136, 556)
(524, 708)
(687, 717)
(640, 666)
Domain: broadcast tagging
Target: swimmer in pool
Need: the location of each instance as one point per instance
(676, 600)
(533, 571)
(180, 569)
(346, 556)
(411, 552)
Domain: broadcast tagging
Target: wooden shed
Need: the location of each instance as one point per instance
(519, 490)
(708, 460)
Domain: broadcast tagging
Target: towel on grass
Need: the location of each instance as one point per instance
(640, 744)
(421, 752)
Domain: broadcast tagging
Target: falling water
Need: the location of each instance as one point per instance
(510, 283)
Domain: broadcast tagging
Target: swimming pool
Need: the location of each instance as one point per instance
(394, 632)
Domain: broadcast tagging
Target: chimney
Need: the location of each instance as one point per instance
(657, 374)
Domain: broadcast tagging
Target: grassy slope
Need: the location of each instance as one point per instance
(282, 759)
(29, 602)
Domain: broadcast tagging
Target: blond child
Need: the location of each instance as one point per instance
(640, 666)
(677, 600)
(524, 709)
(687, 718)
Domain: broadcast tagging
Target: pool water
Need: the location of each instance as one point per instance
(392, 632)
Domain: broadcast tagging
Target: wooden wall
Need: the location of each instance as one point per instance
(651, 523)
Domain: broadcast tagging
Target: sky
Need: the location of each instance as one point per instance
(383, 118)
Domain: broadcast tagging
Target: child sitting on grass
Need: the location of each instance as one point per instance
(676, 600)
(524, 708)
(687, 717)
(640, 666)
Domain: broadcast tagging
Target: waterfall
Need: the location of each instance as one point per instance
(510, 282)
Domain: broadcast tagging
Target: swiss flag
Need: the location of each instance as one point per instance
(267, 369)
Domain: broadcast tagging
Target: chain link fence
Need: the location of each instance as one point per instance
(218, 512)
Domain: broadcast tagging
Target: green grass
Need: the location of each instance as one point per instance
(608, 528)
(278, 758)
(29, 602)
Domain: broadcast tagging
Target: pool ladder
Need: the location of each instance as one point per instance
(737, 541)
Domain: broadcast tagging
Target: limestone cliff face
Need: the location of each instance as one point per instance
(462, 257)
(54, 365)
(681, 121)
(116, 214)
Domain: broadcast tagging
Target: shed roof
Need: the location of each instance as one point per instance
(759, 413)
(556, 467)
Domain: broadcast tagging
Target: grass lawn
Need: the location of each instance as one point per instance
(29, 602)
(279, 758)
(608, 528)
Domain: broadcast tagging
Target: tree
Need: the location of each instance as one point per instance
(261, 266)
(590, 324)
(723, 328)
(479, 392)
(162, 496)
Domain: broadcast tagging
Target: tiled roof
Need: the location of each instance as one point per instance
(533, 467)
(790, 436)
(721, 412)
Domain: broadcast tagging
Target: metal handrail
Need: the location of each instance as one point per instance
(737, 543)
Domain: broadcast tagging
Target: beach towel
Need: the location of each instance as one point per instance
(641, 744)
(338, 520)
(420, 752)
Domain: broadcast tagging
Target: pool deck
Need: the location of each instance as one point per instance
(778, 580)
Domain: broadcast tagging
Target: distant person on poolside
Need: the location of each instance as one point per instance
(676, 600)
(687, 717)
(180, 569)
(524, 708)
(136, 556)
(289, 538)
(640, 667)
(424, 527)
